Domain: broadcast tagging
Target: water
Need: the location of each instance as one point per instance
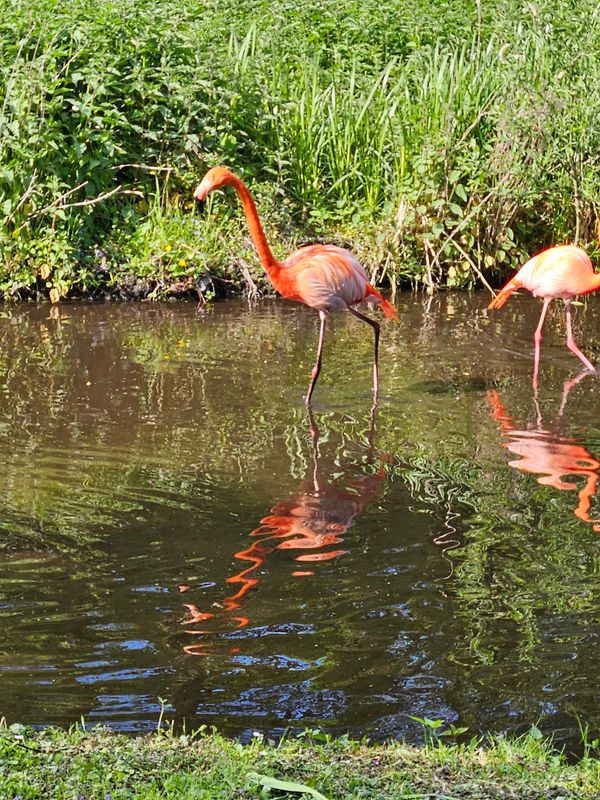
(175, 527)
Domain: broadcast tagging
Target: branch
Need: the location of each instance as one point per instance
(92, 201)
(474, 267)
(28, 192)
(144, 166)
(253, 292)
(457, 228)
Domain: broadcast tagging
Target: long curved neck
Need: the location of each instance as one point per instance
(268, 260)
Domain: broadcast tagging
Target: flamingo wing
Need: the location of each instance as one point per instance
(562, 271)
(325, 277)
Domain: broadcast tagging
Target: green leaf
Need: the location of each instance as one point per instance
(461, 192)
(535, 732)
(285, 786)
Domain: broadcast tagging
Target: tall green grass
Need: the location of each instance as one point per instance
(442, 141)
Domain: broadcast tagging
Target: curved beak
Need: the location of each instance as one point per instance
(202, 190)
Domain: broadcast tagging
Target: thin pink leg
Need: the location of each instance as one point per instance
(376, 329)
(538, 410)
(317, 367)
(537, 338)
(571, 342)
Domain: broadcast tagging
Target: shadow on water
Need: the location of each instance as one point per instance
(174, 526)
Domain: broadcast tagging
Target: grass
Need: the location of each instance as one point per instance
(443, 141)
(86, 764)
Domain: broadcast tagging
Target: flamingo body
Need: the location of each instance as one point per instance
(324, 277)
(560, 272)
(328, 278)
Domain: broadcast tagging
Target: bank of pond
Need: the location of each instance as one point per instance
(54, 764)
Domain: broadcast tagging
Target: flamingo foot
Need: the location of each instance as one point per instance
(585, 361)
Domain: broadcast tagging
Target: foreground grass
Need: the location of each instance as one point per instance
(96, 764)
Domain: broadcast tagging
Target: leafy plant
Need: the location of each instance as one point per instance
(432, 732)
(443, 143)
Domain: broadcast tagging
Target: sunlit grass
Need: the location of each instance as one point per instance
(79, 763)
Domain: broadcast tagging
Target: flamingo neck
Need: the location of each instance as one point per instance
(268, 260)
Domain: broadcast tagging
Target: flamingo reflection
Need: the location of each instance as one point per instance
(311, 521)
(550, 454)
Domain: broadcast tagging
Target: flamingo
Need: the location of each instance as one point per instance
(324, 277)
(563, 271)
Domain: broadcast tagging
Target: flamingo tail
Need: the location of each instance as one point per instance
(389, 310)
(505, 293)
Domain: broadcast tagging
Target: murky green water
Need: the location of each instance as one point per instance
(175, 526)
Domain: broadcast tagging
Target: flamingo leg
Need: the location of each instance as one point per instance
(317, 367)
(376, 328)
(571, 342)
(537, 338)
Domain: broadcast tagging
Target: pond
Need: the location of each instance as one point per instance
(177, 529)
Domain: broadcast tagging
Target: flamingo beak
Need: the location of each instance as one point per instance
(202, 191)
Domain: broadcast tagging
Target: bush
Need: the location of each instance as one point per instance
(442, 141)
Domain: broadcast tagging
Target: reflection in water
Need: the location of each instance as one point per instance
(448, 540)
(313, 521)
(549, 453)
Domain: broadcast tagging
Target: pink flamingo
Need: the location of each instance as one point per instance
(562, 272)
(322, 276)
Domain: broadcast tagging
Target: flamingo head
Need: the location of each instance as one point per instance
(214, 178)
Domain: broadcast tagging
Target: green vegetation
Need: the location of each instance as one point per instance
(96, 764)
(442, 141)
